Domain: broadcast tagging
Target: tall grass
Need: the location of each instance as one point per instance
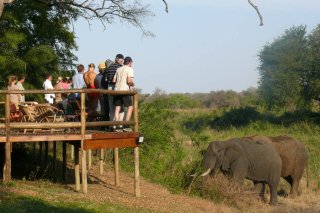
(175, 140)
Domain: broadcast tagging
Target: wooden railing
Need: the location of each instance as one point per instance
(82, 124)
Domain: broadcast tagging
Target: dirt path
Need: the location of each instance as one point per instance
(153, 196)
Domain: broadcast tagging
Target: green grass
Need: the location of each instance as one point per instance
(175, 140)
(46, 197)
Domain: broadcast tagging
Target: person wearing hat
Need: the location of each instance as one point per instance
(100, 108)
(102, 68)
(123, 80)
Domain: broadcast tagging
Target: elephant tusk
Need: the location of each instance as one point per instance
(206, 172)
(193, 175)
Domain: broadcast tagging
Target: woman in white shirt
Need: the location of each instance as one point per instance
(14, 98)
(47, 85)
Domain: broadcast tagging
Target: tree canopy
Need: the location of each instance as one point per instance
(35, 35)
(34, 40)
(289, 68)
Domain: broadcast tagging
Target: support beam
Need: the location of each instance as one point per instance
(116, 166)
(7, 162)
(34, 152)
(136, 150)
(64, 160)
(46, 153)
(89, 159)
(77, 167)
(136, 173)
(40, 154)
(54, 162)
(101, 161)
(84, 172)
(83, 153)
(72, 152)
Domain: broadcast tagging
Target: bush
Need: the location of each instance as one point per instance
(161, 156)
(221, 189)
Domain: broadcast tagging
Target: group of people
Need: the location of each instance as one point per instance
(117, 75)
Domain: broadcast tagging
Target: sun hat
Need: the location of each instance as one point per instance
(102, 65)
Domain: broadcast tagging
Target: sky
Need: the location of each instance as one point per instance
(200, 45)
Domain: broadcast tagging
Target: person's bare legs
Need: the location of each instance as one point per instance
(129, 113)
(122, 113)
(116, 113)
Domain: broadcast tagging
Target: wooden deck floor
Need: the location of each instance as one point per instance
(93, 139)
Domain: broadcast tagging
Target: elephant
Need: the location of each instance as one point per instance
(294, 158)
(256, 161)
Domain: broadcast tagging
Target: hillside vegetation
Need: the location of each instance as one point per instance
(177, 137)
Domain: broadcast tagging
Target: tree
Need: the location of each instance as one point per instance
(282, 69)
(106, 10)
(312, 76)
(34, 40)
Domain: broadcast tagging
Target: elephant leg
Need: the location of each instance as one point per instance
(294, 183)
(273, 185)
(260, 188)
(273, 194)
(295, 188)
(290, 181)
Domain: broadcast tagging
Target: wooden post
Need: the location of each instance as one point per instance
(72, 152)
(54, 163)
(34, 152)
(7, 162)
(77, 167)
(64, 160)
(89, 159)
(40, 154)
(136, 150)
(101, 161)
(46, 153)
(116, 166)
(83, 152)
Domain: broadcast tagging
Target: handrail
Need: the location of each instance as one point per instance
(9, 138)
(31, 125)
(55, 91)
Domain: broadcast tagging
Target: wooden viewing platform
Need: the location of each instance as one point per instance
(81, 138)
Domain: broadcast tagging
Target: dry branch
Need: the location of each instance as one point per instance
(167, 7)
(258, 12)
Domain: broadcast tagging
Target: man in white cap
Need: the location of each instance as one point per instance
(100, 107)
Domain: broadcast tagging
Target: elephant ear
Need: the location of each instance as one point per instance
(226, 162)
(220, 149)
(228, 157)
